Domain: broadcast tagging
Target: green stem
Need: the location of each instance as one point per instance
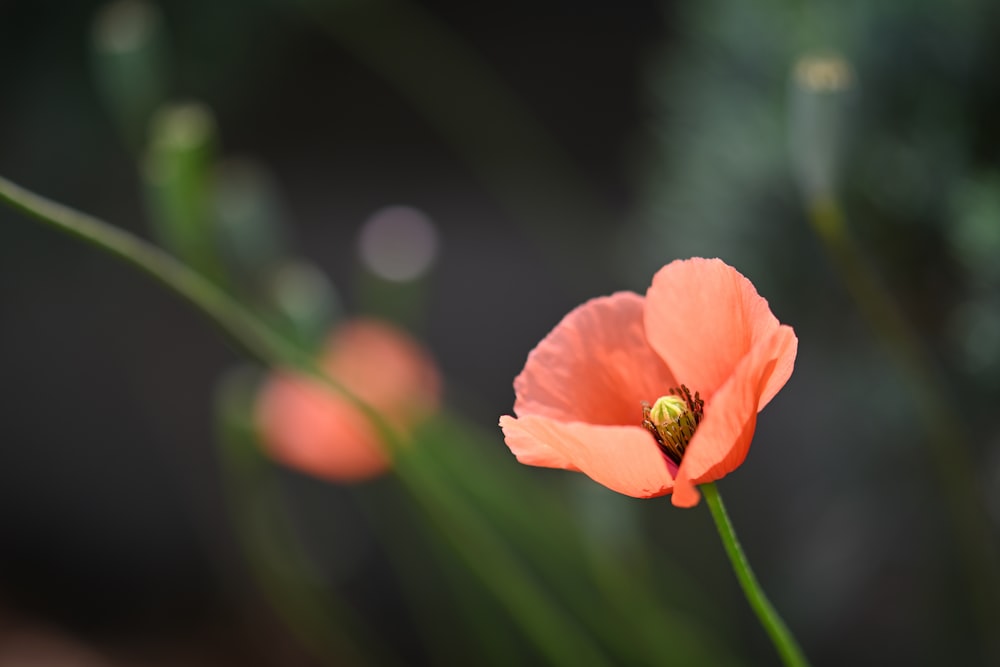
(244, 328)
(279, 563)
(489, 555)
(554, 631)
(783, 640)
(249, 332)
(948, 440)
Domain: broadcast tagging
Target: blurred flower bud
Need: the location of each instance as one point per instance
(974, 232)
(250, 215)
(818, 97)
(308, 426)
(974, 327)
(177, 171)
(129, 57)
(305, 300)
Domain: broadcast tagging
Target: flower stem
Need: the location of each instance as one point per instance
(948, 438)
(783, 640)
(553, 629)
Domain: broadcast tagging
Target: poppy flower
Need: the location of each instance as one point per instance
(654, 395)
(308, 426)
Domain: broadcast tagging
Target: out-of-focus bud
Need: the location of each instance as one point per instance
(304, 301)
(178, 173)
(308, 426)
(973, 235)
(250, 215)
(975, 332)
(974, 229)
(129, 56)
(818, 97)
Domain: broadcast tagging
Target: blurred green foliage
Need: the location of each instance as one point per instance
(908, 148)
(845, 515)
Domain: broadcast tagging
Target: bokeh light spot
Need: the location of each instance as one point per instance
(398, 243)
(125, 26)
(823, 73)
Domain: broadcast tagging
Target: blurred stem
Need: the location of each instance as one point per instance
(488, 555)
(646, 628)
(232, 318)
(783, 640)
(485, 552)
(176, 172)
(278, 561)
(948, 440)
(249, 332)
(401, 528)
(629, 595)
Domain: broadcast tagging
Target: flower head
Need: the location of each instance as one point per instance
(657, 394)
(308, 426)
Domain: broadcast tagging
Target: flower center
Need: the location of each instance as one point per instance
(672, 420)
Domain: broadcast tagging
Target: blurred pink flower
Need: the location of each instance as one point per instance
(309, 427)
(606, 392)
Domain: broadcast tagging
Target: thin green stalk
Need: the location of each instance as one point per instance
(647, 627)
(323, 622)
(948, 440)
(243, 327)
(253, 335)
(486, 553)
(782, 639)
(440, 598)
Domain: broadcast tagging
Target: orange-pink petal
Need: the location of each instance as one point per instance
(311, 427)
(306, 426)
(702, 317)
(529, 448)
(625, 459)
(595, 366)
(723, 438)
(385, 368)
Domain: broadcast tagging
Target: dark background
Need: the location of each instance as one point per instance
(113, 528)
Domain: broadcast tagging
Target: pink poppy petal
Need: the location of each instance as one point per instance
(702, 317)
(384, 367)
(594, 366)
(529, 449)
(307, 427)
(625, 459)
(723, 438)
(784, 364)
